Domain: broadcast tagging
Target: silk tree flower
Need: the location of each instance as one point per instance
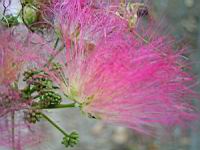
(132, 79)
(86, 23)
(18, 47)
(79, 22)
(131, 82)
(18, 50)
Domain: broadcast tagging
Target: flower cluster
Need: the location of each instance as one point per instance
(130, 76)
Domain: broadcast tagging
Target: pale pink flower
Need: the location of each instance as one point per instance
(18, 47)
(19, 50)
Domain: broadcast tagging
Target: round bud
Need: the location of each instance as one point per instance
(30, 14)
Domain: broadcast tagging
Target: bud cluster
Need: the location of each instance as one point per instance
(70, 140)
(32, 115)
(39, 83)
(49, 99)
(5, 100)
(9, 101)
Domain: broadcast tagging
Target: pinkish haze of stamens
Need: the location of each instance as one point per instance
(18, 50)
(85, 25)
(132, 79)
(133, 86)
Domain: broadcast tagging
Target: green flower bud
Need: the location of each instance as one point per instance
(49, 99)
(32, 115)
(30, 14)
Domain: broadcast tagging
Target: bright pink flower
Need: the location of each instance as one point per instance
(133, 79)
(132, 82)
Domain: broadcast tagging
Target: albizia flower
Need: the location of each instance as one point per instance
(18, 50)
(129, 81)
(85, 25)
(17, 47)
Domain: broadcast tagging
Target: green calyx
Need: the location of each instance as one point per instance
(39, 79)
(56, 66)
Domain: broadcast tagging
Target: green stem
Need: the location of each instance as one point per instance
(62, 75)
(52, 58)
(54, 124)
(60, 106)
(56, 43)
(72, 105)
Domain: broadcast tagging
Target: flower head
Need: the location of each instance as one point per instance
(132, 82)
(132, 76)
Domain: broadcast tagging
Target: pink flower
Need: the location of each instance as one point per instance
(132, 78)
(18, 50)
(82, 23)
(129, 81)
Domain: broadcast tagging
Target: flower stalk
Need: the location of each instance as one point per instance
(54, 124)
(62, 106)
(69, 140)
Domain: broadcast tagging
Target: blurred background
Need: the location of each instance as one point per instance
(183, 19)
